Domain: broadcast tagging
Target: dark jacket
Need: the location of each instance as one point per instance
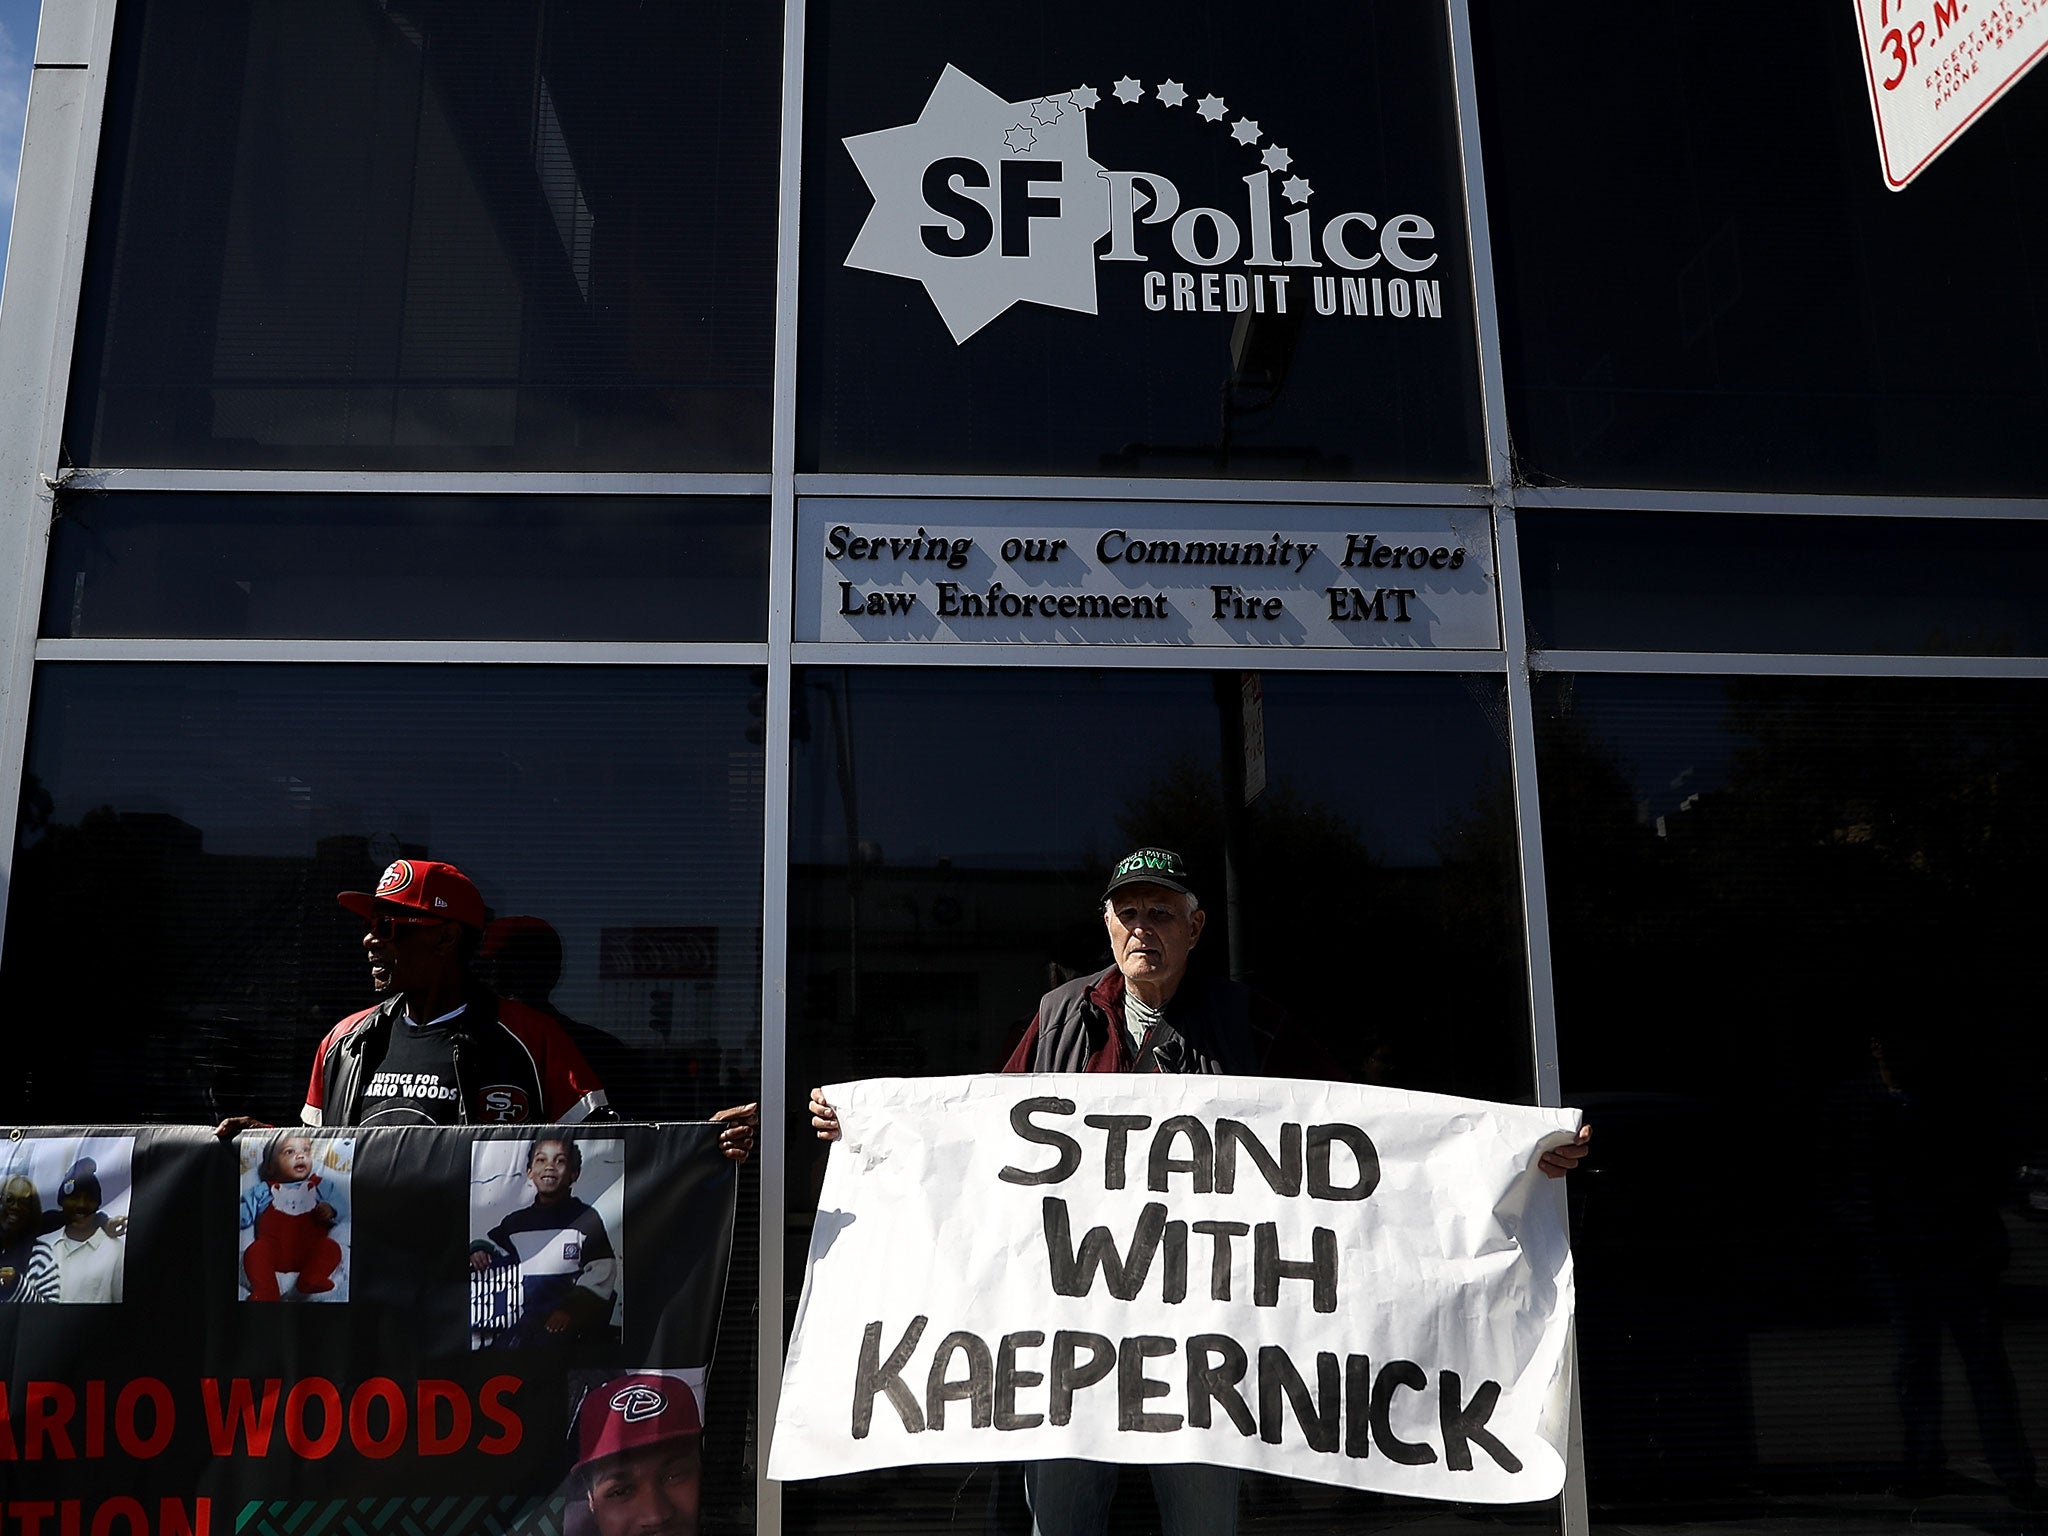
(1212, 1025)
(513, 1064)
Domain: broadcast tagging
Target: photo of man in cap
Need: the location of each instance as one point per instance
(639, 1464)
(24, 1221)
(83, 1258)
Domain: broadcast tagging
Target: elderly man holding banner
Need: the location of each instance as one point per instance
(1145, 1014)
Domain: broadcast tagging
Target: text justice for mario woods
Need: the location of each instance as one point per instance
(1336, 1403)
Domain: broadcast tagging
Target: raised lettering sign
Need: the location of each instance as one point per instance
(1080, 573)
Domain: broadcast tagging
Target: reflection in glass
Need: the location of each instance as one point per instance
(1832, 585)
(393, 567)
(1790, 921)
(1704, 280)
(951, 834)
(184, 830)
(1194, 353)
(436, 234)
(200, 819)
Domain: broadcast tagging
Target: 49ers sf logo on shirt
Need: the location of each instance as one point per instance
(505, 1104)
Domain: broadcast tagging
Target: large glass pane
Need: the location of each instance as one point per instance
(951, 834)
(1194, 245)
(210, 813)
(1832, 585)
(1705, 281)
(1790, 920)
(439, 234)
(174, 950)
(395, 567)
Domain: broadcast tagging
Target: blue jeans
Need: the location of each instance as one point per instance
(1071, 1498)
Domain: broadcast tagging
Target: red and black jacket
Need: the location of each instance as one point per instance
(513, 1064)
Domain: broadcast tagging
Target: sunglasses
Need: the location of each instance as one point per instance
(385, 926)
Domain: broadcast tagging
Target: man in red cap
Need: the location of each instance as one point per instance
(638, 1461)
(441, 1049)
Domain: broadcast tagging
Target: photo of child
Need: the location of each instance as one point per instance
(546, 1219)
(295, 1222)
(64, 1219)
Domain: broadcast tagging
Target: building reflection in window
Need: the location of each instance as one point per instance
(1793, 915)
(952, 831)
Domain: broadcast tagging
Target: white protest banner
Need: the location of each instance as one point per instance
(1354, 1285)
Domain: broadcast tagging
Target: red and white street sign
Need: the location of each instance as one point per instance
(1935, 65)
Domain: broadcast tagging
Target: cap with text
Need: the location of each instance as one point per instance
(1150, 866)
(629, 1413)
(423, 888)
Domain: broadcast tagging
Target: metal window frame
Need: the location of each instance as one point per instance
(773, 1143)
(1800, 664)
(581, 653)
(1150, 658)
(1573, 1516)
(38, 322)
(1151, 488)
(1773, 503)
(419, 482)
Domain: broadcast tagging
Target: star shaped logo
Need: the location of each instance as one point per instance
(1128, 90)
(1297, 190)
(1211, 108)
(1245, 131)
(1276, 158)
(971, 147)
(1172, 93)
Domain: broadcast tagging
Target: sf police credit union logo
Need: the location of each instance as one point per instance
(990, 203)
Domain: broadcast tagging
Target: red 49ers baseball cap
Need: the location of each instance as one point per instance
(421, 887)
(629, 1412)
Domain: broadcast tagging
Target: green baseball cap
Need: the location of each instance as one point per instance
(1150, 866)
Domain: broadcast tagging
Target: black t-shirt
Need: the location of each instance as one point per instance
(415, 1082)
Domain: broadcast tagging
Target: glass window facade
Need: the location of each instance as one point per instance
(1377, 901)
(431, 404)
(433, 234)
(1261, 311)
(210, 813)
(1815, 889)
(1704, 280)
(1868, 586)
(222, 806)
(403, 567)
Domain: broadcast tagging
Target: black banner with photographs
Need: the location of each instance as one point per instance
(421, 1329)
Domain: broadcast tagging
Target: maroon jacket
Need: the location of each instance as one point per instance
(1212, 1026)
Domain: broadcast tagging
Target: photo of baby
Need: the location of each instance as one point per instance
(64, 1218)
(546, 1228)
(295, 1224)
